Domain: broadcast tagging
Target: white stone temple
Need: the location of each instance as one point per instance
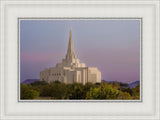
(71, 70)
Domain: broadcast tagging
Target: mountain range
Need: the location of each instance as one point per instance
(133, 84)
(130, 85)
(29, 81)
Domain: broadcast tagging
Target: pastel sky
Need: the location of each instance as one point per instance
(113, 46)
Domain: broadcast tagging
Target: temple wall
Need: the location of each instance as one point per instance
(80, 75)
(94, 75)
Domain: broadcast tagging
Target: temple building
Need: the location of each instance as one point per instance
(71, 70)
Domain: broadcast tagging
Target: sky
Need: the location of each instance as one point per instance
(113, 46)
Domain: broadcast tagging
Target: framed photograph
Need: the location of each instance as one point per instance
(80, 60)
(41, 45)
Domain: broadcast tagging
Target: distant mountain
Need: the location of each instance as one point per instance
(133, 84)
(28, 81)
(113, 82)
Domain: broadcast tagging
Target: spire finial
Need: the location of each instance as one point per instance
(70, 52)
(70, 28)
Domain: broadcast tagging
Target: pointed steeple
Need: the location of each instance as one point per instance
(70, 52)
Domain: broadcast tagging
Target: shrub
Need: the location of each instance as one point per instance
(104, 91)
(124, 96)
(31, 94)
(28, 93)
(39, 83)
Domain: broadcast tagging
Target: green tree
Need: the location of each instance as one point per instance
(45, 90)
(136, 91)
(104, 91)
(58, 90)
(124, 96)
(116, 85)
(77, 91)
(31, 94)
(39, 83)
(24, 88)
(128, 90)
(123, 85)
(27, 92)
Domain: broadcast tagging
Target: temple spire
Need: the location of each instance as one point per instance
(70, 52)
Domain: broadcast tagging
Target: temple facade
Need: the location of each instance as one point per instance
(71, 70)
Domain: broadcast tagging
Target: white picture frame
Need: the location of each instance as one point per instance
(147, 108)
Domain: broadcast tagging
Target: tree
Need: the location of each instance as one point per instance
(104, 91)
(57, 82)
(123, 85)
(39, 83)
(45, 90)
(136, 91)
(124, 96)
(24, 88)
(128, 90)
(58, 90)
(87, 88)
(116, 85)
(28, 93)
(77, 91)
(31, 94)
